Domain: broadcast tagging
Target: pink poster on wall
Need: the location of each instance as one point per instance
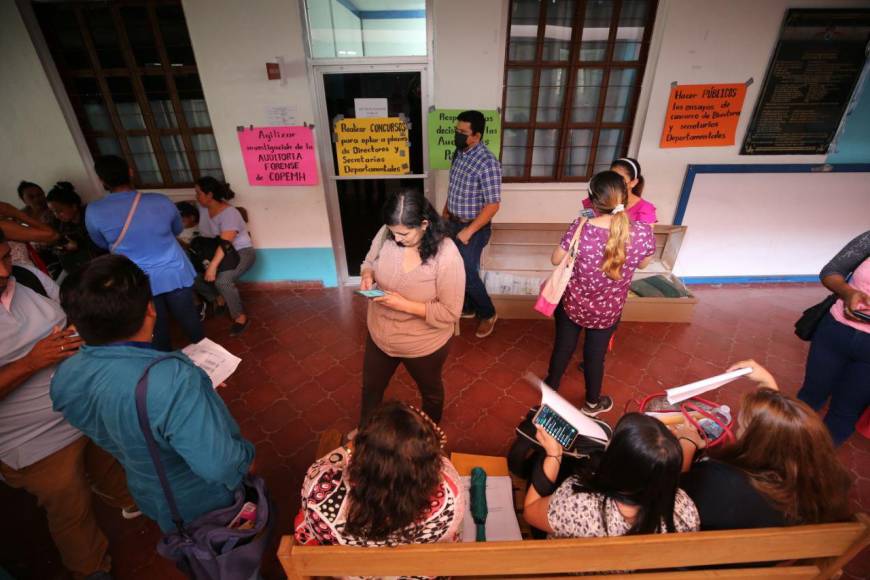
(279, 155)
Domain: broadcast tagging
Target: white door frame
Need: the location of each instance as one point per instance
(323, 128)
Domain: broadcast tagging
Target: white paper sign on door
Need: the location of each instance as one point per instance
(370, 108)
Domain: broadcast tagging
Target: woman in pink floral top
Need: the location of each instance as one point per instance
(609, 250)
(392, 485)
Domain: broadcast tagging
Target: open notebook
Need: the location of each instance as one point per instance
(584, 425)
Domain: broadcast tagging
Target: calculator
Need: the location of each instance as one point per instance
(554, 424)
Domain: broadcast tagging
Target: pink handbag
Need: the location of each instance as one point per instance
(554, 286)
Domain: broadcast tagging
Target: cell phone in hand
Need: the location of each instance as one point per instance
(374, 293)
(554, 424)
(862, 315)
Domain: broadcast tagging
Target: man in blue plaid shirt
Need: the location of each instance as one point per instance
(473, 198)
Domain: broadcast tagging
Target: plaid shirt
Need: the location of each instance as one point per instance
(475, 181)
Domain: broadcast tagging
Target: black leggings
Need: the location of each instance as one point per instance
(594, 351)
(378, 369)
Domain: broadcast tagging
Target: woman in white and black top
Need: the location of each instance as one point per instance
(633, 490)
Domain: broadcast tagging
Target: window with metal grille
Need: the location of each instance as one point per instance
(572, 76)
(129, 71)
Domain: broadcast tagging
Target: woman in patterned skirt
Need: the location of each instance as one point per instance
(391, 485)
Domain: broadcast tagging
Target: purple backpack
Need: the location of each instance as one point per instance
(206, 549)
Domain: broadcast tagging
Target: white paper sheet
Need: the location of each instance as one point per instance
(370, 108)
(501, 518)
(679, 394)
(569, 412)
(217, 362)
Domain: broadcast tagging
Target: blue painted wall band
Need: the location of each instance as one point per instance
(294, 264)
(749, 279)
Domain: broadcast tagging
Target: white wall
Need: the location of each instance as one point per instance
(469, 62)
(732, 42)
(694, 41)
(233, 40)
(37, 144)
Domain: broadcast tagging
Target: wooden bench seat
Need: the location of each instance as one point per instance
(814, 551)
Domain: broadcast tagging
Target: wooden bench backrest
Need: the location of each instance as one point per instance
(837, 543)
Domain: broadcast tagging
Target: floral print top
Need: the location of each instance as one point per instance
(592, 300)
(591, 515)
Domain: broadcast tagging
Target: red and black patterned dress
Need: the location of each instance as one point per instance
(324, 507)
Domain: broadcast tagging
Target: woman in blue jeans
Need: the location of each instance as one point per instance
(838, 366)
(150, 243)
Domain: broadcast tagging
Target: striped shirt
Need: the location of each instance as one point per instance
(475, 181)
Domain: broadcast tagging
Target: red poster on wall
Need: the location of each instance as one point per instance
(702, 115)
(279, 155)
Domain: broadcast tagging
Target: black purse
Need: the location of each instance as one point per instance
(806, 325)
(202, 250)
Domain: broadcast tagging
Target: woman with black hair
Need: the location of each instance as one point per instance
(421, 272)
(75, 247)
(634, 489)
(218, 219)
(637, 209)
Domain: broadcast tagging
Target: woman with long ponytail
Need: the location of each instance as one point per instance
(610, 248)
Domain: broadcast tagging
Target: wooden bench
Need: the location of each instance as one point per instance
(816, 551)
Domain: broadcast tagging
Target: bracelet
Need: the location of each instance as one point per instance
(697, 447)
(559, 457)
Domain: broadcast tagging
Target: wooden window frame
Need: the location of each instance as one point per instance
(572, 65)
(134, 73)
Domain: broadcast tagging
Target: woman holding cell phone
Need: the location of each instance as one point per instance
(838, 365)
(422, 276)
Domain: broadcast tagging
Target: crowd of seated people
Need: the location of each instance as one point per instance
(71, 357)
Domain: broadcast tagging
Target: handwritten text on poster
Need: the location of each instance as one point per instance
(377, 146)
(702, 115)
(279, 155)
(442, 126)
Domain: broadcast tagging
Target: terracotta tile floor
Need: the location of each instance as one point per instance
(301, 375)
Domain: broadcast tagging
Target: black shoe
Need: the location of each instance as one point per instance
(239, 327)
(220, 309)
(605, 404)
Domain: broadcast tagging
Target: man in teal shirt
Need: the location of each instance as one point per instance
(109, 301)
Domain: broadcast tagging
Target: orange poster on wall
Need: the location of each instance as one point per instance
(702, 115)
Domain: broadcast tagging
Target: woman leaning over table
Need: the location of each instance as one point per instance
(420, 270)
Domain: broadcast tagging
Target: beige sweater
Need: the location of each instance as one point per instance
(439, 284)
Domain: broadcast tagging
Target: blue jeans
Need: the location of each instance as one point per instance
(476, 298)
(179, 303)
(838, 367)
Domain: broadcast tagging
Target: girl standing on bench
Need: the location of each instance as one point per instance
(633, 490)
(391, 485)
(610, 248)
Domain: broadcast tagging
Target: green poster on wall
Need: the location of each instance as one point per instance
(442, 126)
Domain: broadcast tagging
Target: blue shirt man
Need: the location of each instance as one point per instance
(150, 242)
(200, 444)
(473, 198)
